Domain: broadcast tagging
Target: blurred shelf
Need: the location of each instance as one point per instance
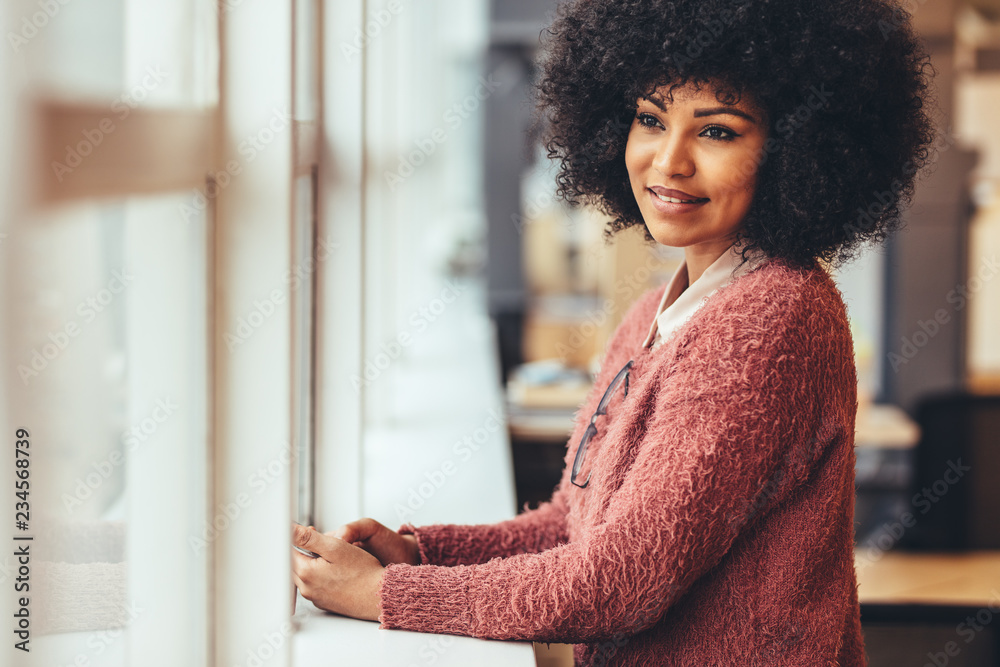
(986, 384)
(884, 426)
(897, 577)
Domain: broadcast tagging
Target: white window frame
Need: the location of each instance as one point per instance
(340, 297)
(249, 254)
(252, 389)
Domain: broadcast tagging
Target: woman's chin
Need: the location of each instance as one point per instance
(670, 234)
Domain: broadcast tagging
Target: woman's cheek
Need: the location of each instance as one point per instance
(741, 172)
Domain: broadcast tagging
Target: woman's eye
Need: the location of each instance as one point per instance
(647, 120)
(714, 132)
(719, 133)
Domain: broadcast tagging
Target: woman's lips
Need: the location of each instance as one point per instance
(673, 194)
(690, 204)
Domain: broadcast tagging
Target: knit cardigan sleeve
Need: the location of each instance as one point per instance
(733, 427)
(531, 531)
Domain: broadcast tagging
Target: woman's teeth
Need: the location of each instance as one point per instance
(673, 200)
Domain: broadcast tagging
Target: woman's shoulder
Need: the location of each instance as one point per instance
(778, 305)
(775, 308)
(774, 292)
(781, 290)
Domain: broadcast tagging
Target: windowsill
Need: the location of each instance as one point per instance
(321, 637)
(95, 648)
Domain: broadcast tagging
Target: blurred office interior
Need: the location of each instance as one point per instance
(304, 259)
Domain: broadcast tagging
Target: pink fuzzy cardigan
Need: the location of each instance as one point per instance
(717, 528)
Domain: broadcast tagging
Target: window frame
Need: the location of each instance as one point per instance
(249, 254)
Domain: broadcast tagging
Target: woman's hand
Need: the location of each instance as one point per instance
(344, 579)
(384, 543)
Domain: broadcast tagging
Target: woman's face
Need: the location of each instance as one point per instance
(692, 163)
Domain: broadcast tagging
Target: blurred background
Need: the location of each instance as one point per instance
(265, 261)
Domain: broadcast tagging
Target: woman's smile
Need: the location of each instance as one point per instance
(675, 201)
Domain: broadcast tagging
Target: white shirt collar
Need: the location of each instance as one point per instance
(680, 300)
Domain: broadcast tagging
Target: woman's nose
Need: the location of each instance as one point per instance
(673, 158)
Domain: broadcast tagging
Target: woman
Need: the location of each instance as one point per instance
(705, 514)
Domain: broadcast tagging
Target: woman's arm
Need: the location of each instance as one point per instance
(736, 426)
(532, 531)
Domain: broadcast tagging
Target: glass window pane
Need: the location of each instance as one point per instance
(301, 285)
(107, 330)
(119, 53)
(306, 60)
(74, 49)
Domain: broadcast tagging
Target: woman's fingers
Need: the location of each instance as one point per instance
(358, 531)
(312, 540)
(385, 544)
(345, 580)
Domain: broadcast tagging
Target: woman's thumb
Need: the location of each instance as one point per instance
(307, 538)
(356, 531)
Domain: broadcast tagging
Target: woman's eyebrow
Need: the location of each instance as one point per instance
(717, 111)
(701, 113)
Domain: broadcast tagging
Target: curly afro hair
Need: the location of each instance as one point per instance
(842, 83)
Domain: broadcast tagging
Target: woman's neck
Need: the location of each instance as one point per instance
(700, 257)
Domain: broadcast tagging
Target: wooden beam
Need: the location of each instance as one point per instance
(90, 151)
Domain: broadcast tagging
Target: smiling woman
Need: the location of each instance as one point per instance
(705, 511)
